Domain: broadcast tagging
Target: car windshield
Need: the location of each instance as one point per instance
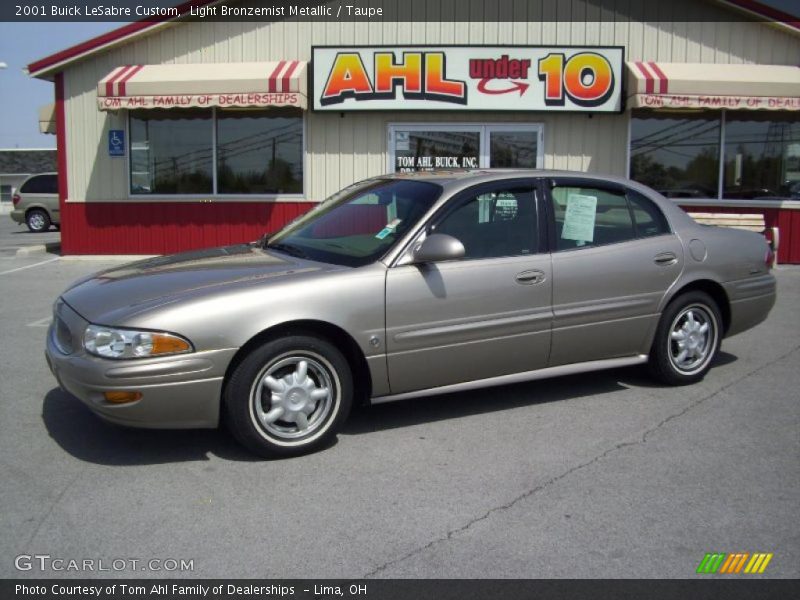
(358, 225)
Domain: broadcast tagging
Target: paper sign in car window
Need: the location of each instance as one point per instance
(579, 218)
(389, 229)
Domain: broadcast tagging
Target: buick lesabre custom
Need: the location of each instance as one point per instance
(408, 285)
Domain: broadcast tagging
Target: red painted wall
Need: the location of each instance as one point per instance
(168, 227)
(786, 220)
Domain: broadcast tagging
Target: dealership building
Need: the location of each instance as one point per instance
(190, 132)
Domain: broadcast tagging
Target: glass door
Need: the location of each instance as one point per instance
(514, 146)
(430, 146)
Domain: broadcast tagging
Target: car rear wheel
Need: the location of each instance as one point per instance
(687, 339)
(289, 396)
(37, 220)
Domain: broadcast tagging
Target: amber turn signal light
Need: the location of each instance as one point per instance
(168, 344)
(122, 397)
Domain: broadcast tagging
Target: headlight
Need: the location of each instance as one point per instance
(109, 342)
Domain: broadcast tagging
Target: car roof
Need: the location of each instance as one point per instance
(467, 177)
(455, 180)
(40, 174)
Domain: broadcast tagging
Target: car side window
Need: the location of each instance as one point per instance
(31, 186)
(494, 224)
(586, 216)
(650, 221)
(41, 184)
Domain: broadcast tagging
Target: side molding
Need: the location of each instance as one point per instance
(573, 369)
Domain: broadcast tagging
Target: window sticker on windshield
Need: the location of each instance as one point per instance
(579, 218)
(389, 229)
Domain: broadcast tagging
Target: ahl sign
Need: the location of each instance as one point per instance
(558, 78)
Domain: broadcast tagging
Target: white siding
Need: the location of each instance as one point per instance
(341, 150)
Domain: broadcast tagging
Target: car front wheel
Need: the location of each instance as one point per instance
(37, 220)
(687, 339)
(289, 396)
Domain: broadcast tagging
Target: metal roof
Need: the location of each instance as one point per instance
(20, 161)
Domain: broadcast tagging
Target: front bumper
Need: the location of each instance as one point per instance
(178, 392)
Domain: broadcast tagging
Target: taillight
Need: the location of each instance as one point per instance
(771, 235)
(15, 199)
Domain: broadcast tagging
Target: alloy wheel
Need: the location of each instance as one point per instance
(293, 396)
(692, 339)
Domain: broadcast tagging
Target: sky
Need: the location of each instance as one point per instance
(21, 96)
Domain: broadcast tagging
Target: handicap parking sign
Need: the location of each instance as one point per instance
(116, 142)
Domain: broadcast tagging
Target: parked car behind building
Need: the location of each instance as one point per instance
(36, 202)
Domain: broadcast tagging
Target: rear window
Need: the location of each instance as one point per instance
(41, 184)
(650, 221)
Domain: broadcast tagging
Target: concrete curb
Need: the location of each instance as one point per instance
(50, 248)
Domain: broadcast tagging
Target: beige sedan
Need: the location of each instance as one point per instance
(404, 286)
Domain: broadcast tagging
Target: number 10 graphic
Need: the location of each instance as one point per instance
(586, 78)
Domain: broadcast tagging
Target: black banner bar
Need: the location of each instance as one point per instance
(734, 588)
(333, 11)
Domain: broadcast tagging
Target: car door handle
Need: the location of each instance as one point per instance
(529, 277)
(665, 259)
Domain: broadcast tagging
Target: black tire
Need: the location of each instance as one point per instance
(37, 220)
(247, 406)
(668, 368)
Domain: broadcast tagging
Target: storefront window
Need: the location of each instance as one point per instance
(259, 153)
(762, 156)
(421, 147)
(678, 155)
(171, 152)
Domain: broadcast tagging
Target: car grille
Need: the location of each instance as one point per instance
(62, 336)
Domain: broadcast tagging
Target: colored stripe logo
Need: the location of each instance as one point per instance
(738, 562)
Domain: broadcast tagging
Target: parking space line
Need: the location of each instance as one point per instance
(44, 262)
(41, 322)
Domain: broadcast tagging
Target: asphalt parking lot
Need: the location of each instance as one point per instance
(601, 475)
(14, 237)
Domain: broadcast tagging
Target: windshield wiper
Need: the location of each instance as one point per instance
(289, 249)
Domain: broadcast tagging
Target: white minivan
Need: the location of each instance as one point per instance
(36, 202)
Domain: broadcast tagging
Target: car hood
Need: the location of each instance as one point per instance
(110, 296)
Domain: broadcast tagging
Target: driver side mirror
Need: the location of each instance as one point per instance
(438, 247)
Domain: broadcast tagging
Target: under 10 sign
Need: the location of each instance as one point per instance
(468, 78)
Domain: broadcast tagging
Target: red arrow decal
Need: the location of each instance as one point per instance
(517, 85)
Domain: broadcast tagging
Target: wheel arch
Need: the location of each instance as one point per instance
(713, 289)
(362, 378)
(41, 207)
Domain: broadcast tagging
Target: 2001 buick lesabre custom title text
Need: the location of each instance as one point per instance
(408, 285)
(101, 10)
